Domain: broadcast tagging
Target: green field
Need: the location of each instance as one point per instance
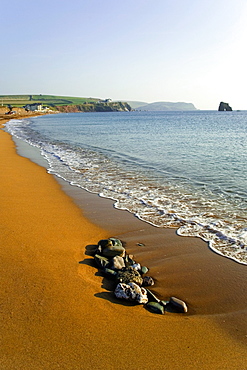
(49, 100)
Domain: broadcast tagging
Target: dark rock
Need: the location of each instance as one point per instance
(110, 272)
(224, 107)
(152, 297)
(111, 247)
(129, 260)
(129, 275)
(131, 292)
(148, 281)
(155, 307)
(140, 244)
(112, 241)
(178, 304)
(91, 250)
(102, 262)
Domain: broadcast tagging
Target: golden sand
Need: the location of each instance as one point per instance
(56, 311)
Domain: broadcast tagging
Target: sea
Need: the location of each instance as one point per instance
(184, 170)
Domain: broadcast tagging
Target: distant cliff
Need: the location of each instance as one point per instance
(166, 106)
(95, 107)
(65, 103)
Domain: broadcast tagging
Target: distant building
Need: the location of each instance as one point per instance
(104, 101)
(33, 107)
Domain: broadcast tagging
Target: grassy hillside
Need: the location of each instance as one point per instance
(49, 100)
(65, 103)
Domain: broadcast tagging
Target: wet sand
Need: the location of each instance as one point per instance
(57, 310)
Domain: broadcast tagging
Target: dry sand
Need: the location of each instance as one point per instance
(56, 309)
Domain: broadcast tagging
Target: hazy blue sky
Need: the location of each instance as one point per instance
(147, 50)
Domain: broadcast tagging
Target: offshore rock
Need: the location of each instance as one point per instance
(224, 107)
(155, 307)
(102, 262)
(148, 281)
(111, 247)
(129, 275)
(131, 292)
(117, 263)
(178, 304)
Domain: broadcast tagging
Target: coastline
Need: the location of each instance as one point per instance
(58, 312)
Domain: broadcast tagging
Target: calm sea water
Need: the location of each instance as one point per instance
(186, 170)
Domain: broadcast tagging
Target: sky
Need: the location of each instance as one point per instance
(143, 50)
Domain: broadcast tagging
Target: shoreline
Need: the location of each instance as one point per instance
(48, 287)
(197, 256)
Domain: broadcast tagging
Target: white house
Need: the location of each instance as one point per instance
(33, 107)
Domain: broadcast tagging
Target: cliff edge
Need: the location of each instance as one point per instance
(95, 107)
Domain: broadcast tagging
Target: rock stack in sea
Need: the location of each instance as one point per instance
(131, 279)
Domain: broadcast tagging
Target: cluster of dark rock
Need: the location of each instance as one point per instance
(130, 278)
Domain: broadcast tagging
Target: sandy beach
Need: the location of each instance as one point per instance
(57, 311)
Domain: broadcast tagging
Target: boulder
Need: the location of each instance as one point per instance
(117, 263)
(111, 247)
(178, 304)
(131, 292)
(155, 307)
(148, 281)
(129, 275)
